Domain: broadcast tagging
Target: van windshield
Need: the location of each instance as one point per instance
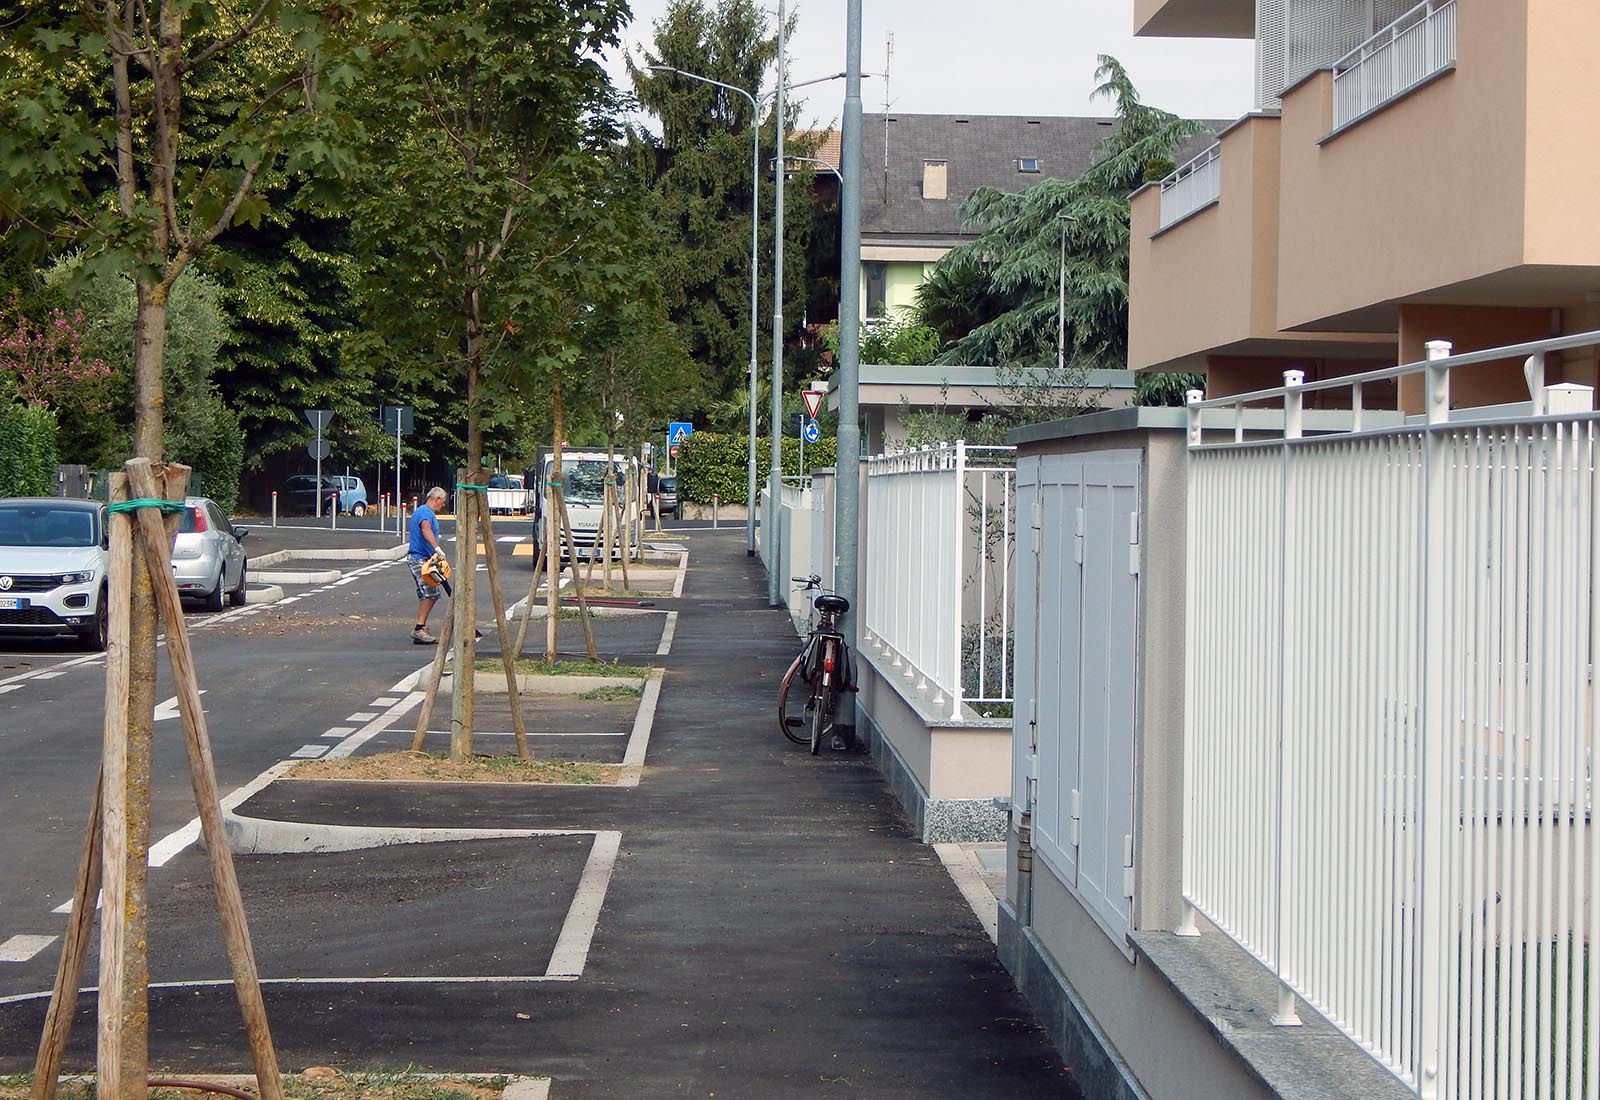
(583, 481)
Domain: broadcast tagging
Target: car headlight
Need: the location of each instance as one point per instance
(78, 578)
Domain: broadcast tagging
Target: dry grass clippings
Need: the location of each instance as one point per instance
(428, 767)
(316, 1084)
(538, 666)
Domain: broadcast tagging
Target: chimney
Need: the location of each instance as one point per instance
(933, 179)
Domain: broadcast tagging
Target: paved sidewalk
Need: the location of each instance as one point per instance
(772, 930)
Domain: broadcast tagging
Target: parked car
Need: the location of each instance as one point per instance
(507, 495)
(669, 498)
(208, 558)
(53, 568)
(301, 491)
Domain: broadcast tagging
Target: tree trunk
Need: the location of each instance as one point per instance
(464, 603)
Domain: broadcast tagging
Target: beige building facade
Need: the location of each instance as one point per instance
(1411, 173)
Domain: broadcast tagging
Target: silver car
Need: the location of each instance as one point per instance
(208, 560)
(53, 568)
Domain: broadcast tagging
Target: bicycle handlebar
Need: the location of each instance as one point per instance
(813, 581)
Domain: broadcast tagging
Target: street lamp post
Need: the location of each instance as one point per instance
(1063, 220)
(755, 249)
(775, 473)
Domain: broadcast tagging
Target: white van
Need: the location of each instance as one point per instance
(583, 480)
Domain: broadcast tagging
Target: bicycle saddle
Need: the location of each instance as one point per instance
(831, 604)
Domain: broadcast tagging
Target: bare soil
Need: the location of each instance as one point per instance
(319, 1083)
(427, 767)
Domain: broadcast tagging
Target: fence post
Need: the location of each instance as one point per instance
(1194, 397)
(958, 527)
(1293, 428)
(1533, 371)
(1435, 773)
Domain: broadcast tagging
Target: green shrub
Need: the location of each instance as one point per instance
(27, 451)
(713, 464)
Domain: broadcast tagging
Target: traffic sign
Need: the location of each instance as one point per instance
(678, 431)
(813, 400)
(672, 451)
(397, 419)
(811, 433)
(319, 417)
(317, 449)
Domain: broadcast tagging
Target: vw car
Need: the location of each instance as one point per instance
(53, 568)
(208, 558)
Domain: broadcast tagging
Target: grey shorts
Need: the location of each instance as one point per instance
(424, 591)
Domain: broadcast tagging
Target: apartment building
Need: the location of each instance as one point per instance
(1410, 172)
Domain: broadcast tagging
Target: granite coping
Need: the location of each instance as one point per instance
(1235, 996)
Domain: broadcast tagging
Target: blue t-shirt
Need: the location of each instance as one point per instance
(419, 546)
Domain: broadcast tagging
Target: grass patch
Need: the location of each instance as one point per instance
(538, 666)
(428, 767)
(613, 693)
(326, 1085)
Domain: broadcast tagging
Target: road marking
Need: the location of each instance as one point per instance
(168, 708)
(19, 949)
(290, 599)
(362, 716)
(577, 931)
(50, 675)
(667, 632)
(385, 701)
(639, 739)
(339, 731)
(376, 726)
(164, 850)
(683, 571)
(534, 733)
(308, 752)
(8, 687)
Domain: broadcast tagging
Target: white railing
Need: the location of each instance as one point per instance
(1390, 731)
(937, 577)
(1393, 61)
(1192, 186)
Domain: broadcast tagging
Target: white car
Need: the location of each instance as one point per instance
(53, 568)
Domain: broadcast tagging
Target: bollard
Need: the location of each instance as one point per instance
(274, 508)
(333, 512)
(716, 501)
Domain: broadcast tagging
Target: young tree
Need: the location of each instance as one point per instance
(995, 299)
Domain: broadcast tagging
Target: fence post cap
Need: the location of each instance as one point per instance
(1194, 397)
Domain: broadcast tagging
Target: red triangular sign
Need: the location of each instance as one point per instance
(813, 400)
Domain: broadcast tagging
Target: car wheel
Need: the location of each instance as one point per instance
(215, 597)
(236, 597)
(93, 636)
(359, 508)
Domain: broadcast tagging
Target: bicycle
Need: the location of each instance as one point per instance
(823, 666)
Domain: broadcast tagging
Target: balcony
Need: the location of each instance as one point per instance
(1192, 187)
(1417, 46)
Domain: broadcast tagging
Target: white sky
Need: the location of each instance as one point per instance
(1004, 57)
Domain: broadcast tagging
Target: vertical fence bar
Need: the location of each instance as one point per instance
(957, 544)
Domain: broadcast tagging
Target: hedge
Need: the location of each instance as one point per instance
(710, 463)
(27, 451)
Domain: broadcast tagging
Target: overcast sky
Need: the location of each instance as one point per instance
(1003, 57)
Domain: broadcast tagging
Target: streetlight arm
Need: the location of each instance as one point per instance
(706, 80)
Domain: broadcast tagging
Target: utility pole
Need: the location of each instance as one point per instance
(847, 502)
(775, 581)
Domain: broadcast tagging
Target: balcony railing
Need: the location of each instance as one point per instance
(1408, 51)
(1192, 186)
(1392, 733)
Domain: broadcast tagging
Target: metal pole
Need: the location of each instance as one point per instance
(397, 510)
(318, 494)
(847, 502)
(775, 475)
(800, 420)
(755, 310)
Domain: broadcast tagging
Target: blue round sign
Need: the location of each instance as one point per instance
(810, 432)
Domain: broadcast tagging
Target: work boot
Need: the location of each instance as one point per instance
(420, 635)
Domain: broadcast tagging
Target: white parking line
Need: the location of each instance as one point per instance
(577, 931)
(667, 632)
(50, 675)
(163, 850)
(376, 726)
(362, 716)
(639, 739)
(339, 731)
(19, 949)
(308, 752)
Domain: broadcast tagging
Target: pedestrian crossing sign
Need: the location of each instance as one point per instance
(678, 431)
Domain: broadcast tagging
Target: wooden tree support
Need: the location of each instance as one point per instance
(507, 657)
(103, 868)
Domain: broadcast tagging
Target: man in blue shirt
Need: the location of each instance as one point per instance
(424, 544)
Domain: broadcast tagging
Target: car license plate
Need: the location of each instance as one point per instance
(12, 603)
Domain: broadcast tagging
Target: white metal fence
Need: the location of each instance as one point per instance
(1192, 186)
(1390, 732)
(1399, 57)
(937, 573)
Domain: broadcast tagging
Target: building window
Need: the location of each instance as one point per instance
(934, 177)
(877, 278)
(1028, 164)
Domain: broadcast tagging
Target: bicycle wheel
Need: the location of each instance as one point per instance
(792, 715)
(818, 706)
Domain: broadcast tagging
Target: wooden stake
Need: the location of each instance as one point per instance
(627, 525)
(114, 801)
(203, 778)
(441, 653)
(491, 558)
(533, 594)
(74, 949)
(464, 607)
(577, 584)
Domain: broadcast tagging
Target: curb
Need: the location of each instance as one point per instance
(278, 557)
(315, 576)
(259, 836)
(539, 683)
(269, 593)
